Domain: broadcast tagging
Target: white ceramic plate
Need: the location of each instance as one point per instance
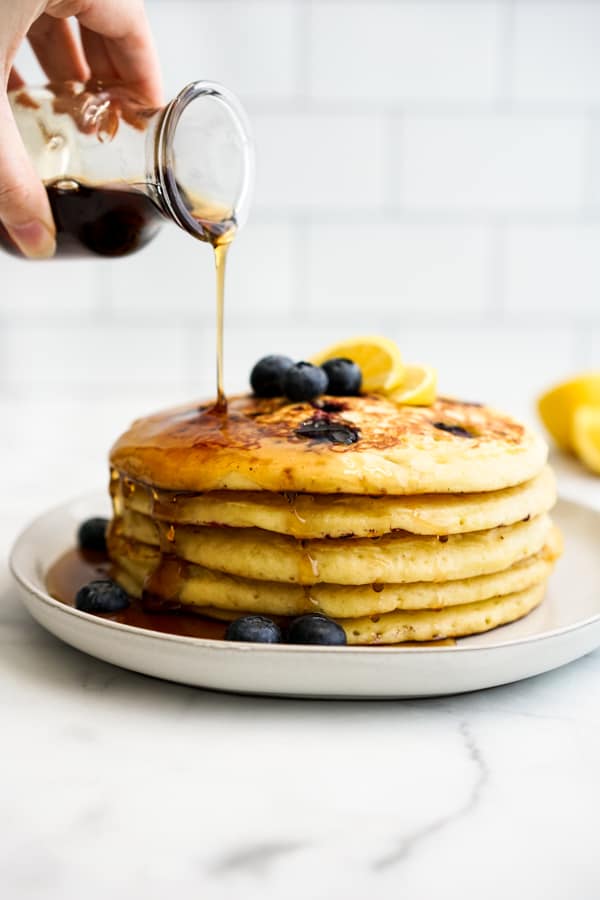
(565, 627)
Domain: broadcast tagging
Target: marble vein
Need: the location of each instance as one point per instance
(255, 858)
(413, 841)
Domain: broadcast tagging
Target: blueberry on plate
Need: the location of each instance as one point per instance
(256, 629)
(102, 596)
(315, 628)
(303, 381)
(267, 375)
(92, 534)
(345, 377)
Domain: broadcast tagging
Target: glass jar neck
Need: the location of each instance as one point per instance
(200, 161)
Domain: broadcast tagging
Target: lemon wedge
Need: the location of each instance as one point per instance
(557, 406)
(586, 436)
(418, 387)
(379, 359)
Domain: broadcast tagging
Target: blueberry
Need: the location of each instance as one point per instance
(315, 628)
(256, 629)
(345, 377)
(303, 381)
(326, 428)
(102, 596)
(92, 534)
(267, 375)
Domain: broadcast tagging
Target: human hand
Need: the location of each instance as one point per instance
(116, 45)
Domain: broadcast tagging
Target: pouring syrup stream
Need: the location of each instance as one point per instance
(218, 227)
(220, 265)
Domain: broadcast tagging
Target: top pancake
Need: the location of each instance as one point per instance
(400, 449)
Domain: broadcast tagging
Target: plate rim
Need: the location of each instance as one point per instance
(28, 585)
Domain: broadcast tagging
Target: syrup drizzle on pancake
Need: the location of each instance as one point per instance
(162, 588)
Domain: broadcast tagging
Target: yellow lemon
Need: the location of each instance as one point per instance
(586, 436)
(418, 387)
(379, 359)
(557, 406)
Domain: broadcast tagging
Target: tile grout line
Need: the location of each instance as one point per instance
(303, 13)
(417, 107)
(582, 338)
(589, 163)
(392, 170)
(300, 300)
(506, 58)
(496, 305)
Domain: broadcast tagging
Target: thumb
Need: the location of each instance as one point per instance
(24, 208)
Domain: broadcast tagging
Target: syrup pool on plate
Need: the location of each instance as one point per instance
(75, 568)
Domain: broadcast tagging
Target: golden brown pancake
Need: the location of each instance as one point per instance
(342, 515)
(432, 624)
(450, 446)
(454, 621)
(393, 558)
(202, 587)
(402, 522)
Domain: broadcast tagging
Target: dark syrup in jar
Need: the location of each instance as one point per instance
(97, 220)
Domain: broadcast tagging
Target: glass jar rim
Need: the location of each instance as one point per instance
(167, 185)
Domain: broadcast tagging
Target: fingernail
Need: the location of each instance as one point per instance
(34, 239)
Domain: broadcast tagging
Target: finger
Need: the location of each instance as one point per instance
(57, 50)
(135, 65)
(24, 208)
(127, 52)
(14, 80)
(98, 57)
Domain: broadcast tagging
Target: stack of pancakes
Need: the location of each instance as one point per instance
(401, 523)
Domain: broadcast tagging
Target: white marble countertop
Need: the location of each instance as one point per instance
(113, 784)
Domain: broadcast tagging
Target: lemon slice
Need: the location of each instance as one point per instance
(418, 387)
(557, 406)
(586, 436)
(378, 357)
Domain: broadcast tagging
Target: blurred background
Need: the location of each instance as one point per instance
(429, 170)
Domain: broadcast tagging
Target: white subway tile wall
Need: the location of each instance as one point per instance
(386, 52)
(319, 164)
(444, 269)
(426, 168)
(553, 271)
(556, 57)
(506, 163)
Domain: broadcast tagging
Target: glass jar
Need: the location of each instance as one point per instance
(114, 171)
